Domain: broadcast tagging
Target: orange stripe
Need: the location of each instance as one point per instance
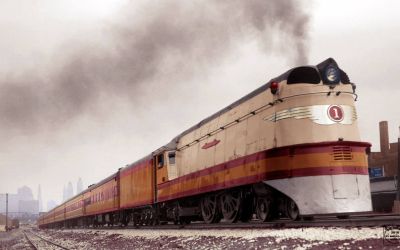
(262, 177)
(278, 166)
(271, 165)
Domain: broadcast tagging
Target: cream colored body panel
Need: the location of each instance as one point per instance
(297, 131)
(246, 137)
(254, 133)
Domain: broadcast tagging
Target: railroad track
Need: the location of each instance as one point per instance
(362, 220)
(38, 242)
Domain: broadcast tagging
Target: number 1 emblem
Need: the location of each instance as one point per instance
(335, 113)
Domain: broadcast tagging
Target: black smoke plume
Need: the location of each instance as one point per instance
(169, 38)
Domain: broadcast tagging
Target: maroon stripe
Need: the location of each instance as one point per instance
(309, 149)
(217, 168)
(215, 187)
(316, 150)
(67, 217)
(67, 212)
(330, 171)
(331, 143)
(314, 171)
(102, 211)
(137, 204)
(276, 152)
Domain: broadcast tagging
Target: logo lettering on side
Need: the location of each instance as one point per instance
(210, 144)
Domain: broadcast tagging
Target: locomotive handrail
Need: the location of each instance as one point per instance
(258, 110)
(324, 92)
(252, 113)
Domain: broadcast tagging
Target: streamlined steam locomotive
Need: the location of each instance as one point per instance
(290, 148)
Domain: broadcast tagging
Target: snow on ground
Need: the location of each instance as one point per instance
(232, 239)
(310, 234)
(14, 239)
(298, 238)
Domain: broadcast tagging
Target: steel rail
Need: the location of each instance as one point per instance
(30, 241)
(360, 220)
(43, 239)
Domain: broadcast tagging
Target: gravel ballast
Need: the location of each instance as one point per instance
(298, 238)
(291, 238)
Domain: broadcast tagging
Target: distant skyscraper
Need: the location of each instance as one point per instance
(64, 194)
(25, 193)
(20, 203)
(40, 199)
(79, 186)
(70, 190)
(51, 204)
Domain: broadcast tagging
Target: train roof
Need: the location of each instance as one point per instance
(172, 145)
(112, 176)
(135, 163)
(91, 187)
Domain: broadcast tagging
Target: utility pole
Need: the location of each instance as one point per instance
(396, 203)
(6, 212)
(398, 167)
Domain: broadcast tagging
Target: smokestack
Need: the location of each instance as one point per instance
(384, 136)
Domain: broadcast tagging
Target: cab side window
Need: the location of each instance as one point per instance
(160, 161)
(171, 158)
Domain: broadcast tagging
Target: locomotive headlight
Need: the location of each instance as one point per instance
(332, 74)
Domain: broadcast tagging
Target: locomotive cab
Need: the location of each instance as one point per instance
(165, 166)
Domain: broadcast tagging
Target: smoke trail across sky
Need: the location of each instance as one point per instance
(155, 42)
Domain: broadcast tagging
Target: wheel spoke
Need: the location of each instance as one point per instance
(231, 204)
(292, 210)
(209, 209)
(263, 208)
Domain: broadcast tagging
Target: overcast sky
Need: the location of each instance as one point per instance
(62, 119)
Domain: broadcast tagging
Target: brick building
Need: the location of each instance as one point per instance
(383, 172)
(387, 157)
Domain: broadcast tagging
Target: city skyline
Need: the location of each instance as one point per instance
(25, 193)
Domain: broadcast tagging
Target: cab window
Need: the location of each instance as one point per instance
(171, 158)
(160, 161)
